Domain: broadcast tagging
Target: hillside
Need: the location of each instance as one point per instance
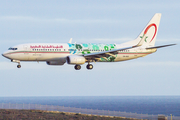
(47, 115)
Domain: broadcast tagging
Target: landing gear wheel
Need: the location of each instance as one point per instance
(77, 67)
(18, 66)
(89, 66)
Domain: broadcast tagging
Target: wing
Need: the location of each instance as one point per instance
(104, 54)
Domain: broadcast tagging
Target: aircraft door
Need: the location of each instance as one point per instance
(136, 52)
(26, 52)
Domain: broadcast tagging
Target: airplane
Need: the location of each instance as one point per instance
(81, 53)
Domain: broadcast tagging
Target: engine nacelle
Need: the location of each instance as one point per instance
(54, 63)
(75, 59)
(57, 61)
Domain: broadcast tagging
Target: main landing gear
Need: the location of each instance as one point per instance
(77, 67)
(89, 67)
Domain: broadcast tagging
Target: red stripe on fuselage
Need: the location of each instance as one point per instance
(37, 52)
(68, 52)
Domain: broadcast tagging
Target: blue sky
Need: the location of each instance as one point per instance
(100, 21)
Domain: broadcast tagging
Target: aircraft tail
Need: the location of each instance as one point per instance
(148, 35)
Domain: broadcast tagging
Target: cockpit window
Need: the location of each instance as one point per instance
(12, 49)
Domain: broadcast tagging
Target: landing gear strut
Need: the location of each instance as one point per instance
(89, 66)
(17, 61)
(77, 67)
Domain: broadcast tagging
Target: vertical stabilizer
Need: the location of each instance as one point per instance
(148, 35)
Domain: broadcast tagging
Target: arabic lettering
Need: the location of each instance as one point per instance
(46, 46)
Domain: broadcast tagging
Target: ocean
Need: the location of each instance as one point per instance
(135, 104)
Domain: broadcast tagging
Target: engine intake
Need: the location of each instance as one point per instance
(75, 59)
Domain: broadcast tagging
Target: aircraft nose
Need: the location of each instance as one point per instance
(3, 55)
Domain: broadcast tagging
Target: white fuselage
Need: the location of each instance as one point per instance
(47, 51)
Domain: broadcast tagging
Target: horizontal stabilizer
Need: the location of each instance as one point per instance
(161, 46)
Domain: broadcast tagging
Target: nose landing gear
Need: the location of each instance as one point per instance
(18, 66)
(17, 61)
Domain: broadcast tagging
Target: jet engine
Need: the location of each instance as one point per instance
(75, 59)
(57, 61)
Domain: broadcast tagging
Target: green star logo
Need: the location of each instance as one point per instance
(145, 38)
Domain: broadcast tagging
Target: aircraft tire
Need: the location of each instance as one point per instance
(89, 66)
(77, 67)
(18, 66)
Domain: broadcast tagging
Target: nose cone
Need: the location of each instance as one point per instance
(5, 55)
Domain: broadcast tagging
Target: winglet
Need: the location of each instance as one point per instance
(70, 40)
